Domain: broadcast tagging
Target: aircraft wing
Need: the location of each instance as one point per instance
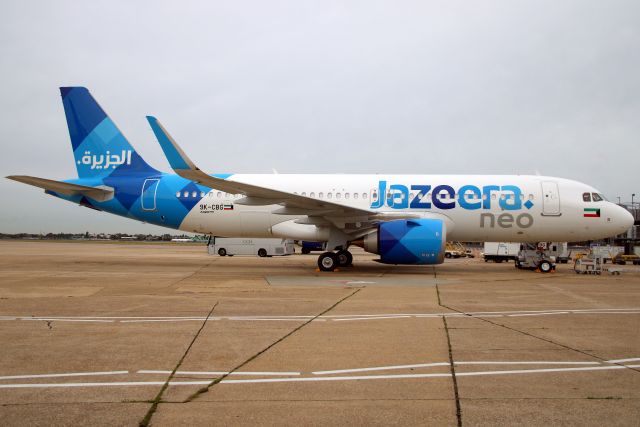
(352, 220)
(68, 189)
(294, 204)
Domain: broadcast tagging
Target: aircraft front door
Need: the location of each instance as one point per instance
(149, 190)
(550, 199)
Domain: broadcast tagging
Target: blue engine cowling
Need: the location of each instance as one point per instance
(413, 241)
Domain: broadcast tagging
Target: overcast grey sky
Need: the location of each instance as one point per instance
(490, 87)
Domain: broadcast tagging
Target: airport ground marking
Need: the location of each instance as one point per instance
(323, 318)
(248, 373)
(62, 375)
(381, 368)
(327, 378)
(317, 378)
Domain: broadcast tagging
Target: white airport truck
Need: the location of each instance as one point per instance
(230, 246)
(500, 251)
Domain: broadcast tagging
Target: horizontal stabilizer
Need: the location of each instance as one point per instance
(100, 194)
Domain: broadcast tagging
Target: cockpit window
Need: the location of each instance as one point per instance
(586, 197)
(597, 197)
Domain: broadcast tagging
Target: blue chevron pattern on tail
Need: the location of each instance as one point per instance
(99, 148)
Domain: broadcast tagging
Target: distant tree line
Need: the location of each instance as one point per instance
(97, 236)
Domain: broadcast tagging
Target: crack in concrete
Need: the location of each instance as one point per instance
(154, 405)
(452, 368)
(279, 340)
(567, 347)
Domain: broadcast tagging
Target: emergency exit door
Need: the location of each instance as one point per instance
(550, 199)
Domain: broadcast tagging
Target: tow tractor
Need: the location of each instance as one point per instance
(535, 259)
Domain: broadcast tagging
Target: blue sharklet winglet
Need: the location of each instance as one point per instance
(176, 157)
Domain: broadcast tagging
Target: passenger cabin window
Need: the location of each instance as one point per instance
(321, 195)
(364, 196)
(355, 195)
(586, 197)
(312, 194)
(186, 194)
(178, 194)
(596, 197)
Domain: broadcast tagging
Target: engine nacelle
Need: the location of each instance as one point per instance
(413, 241)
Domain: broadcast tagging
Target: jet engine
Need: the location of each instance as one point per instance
(413, 241)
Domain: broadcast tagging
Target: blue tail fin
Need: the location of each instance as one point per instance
(99, 148)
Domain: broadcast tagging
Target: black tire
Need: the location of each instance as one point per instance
(306, 251)
(344, 258)
(328, 261)
(545, 266)
(222, 252)
(262, 252)
(447, 255)
(497, 260)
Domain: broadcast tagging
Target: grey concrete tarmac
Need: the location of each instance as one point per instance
(91, 332)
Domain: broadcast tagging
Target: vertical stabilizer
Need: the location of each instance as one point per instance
(99, 148)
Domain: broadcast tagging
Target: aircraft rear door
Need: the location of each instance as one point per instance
(550, 199)
(149, 190)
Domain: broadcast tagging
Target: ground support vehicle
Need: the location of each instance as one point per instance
(531, 259)
(454, 250)
(591, 264)
(229, 246)
(622, 259)
(307, 247)
(500, 251)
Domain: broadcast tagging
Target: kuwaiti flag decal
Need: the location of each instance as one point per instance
(229, 207)
(591, 213)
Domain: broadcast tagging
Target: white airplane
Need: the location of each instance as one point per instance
(406, 219)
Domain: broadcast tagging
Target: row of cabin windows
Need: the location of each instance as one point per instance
(587, 197)
(374, 196)
(195, 194)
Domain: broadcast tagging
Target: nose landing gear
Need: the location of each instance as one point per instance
(329, 261)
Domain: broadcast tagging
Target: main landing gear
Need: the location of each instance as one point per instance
(329, 261)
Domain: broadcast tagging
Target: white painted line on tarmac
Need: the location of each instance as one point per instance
(47, 319)
(212, 373)
(335, 317)
(381, 368)
(162, 320)
(538, 314)
(624, 360)
(314, 379)
(114, 384)
(70, 374)
(536, 371)
(372, 318)
(527, 363)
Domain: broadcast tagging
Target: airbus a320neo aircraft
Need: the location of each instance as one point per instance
(406, 219)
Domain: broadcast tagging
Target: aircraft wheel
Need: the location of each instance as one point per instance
(222, 251)
(328, 261)
(262, 253)
(344, 258)
(545, 266)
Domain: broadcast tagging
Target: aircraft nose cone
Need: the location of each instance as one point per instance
(623, 218)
